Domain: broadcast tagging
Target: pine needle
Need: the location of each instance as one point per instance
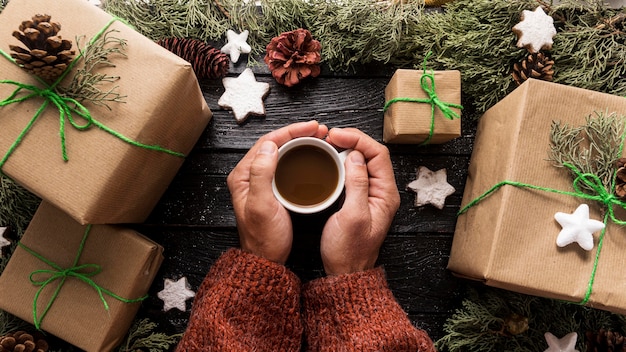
(86, 83)
(142, 337)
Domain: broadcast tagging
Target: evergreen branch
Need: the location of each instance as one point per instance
(86, 83)
(141, 337)
(592, 148)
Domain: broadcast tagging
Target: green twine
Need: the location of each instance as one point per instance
(427, 82)
(66, 106)
(82, 272)
(593, 182)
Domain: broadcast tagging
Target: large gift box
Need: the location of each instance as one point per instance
(508, 239)
(106, 179)
(128, 263)
(411, 122)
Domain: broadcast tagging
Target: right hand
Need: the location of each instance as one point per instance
(352, 237)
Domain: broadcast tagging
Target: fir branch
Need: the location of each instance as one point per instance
(142, 337)
(592, 148)
(86, 83)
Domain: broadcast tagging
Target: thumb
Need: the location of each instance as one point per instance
(262, 172)
(357, 183)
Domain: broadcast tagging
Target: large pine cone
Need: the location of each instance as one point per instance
(605, 341)
(206, 61)
(536, 65)
(293, 56)
(47, 54)
(20, 341)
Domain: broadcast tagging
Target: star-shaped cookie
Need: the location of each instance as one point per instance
(244, 95)
(565, 344)
(236, 44)
(431, 187)
(175, 294)
(535, 31)
(577, 227)
(3, 241)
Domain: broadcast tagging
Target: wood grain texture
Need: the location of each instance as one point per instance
(195, 223)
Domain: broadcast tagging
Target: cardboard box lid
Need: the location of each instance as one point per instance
(129, 263)
(105, 180)
(508, 239)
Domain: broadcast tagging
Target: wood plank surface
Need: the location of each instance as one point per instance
(195, 223)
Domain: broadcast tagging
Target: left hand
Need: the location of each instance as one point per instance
(264, 225)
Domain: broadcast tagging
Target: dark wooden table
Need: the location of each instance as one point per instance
(195, 222)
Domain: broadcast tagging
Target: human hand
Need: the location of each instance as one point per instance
(352, 237)
(264, 225)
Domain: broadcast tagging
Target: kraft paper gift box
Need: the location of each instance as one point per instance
(105, 180)
(410, 122)
(508, 239)
(128, 262)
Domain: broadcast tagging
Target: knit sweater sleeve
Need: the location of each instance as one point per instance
(357, 312)
(245, 303)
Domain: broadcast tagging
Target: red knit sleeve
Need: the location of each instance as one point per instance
(357, 312)
(245, 303)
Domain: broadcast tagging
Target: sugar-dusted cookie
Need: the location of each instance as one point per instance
(535, 31)
(244, 95)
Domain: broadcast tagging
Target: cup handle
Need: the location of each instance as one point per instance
(343, 155)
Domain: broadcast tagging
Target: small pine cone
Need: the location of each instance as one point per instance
(536, 65)
(293, 56)
(620, 179)
(206, 61)
(46, 54)
(20, 341)
(604, 341)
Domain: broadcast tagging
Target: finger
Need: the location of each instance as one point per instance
(377, 155)
(279, 137)
(357, 186)
(261, 174)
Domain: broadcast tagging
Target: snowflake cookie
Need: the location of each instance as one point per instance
(535, 31)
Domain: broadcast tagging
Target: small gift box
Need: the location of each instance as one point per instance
(100, 164)
(81, 262)
(422, 107)
(507, 232)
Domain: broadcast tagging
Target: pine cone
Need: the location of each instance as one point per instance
(620, 179)
(20, 341)
(206, 61)
(293, 56)
(47, 54)
(536, 65)
(605, 341)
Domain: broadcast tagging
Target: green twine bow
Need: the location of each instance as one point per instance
(66, 106)
(427, 82)
(600, 194)
(82, 272)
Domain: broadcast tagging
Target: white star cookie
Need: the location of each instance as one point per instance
(175, 294)
(431, 187)
(3, 241)
(244, 95)
(236, 44)
(577, 227)
(535, 31)
(565, 344)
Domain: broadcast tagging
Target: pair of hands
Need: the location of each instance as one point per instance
(351, 237)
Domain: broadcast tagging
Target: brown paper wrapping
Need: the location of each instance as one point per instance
(508, 240)
(105, 180)
(129, 264)
(409, 123)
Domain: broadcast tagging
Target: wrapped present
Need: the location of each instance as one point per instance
(508, 229)
(422, 107)
(80, 261)
(100, 164)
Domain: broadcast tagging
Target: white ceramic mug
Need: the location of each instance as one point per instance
(338, 159)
